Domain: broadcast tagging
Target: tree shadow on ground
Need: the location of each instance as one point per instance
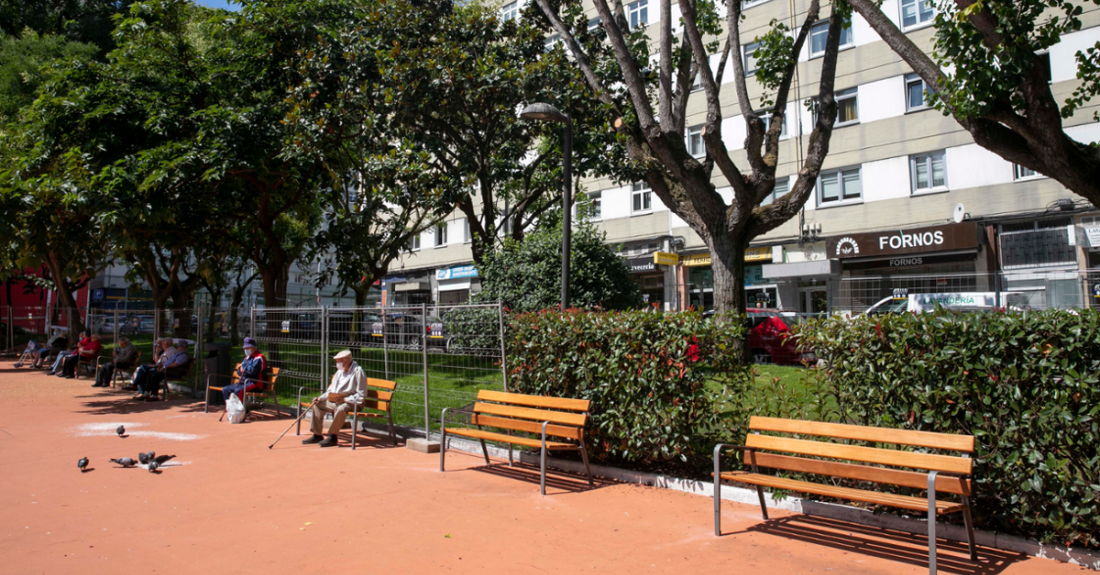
(952, 557)
(114, 401)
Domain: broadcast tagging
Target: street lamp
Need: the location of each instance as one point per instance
(542, 112)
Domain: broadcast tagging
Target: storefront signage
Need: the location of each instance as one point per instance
(392, 280)
(640, 265)
(1093, 235)
(457, 272)
(751, 255)
(665, 259)
(894, 243)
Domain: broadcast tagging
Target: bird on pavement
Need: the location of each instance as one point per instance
(120, 431)
(125, 462)
(82, 463)
(160, 459)
(153, 466)
(146, 457)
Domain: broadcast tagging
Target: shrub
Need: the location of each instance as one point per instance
(650, 401)
(1024, 384)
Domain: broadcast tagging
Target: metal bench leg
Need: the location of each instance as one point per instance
(485, 450)
(587, 468)
(393, 433)
(510, 461)
(759, 488)
(542, 470)
(442, 437)
(932, 523)
(354, 427)
(969, 528)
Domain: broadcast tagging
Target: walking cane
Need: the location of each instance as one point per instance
(304, 412)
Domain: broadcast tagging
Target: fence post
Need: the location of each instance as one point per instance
(252, 321)
(503, 361)
(116, 330)
(200, 348)
(324, 347)
(424, 356)
(385, 345)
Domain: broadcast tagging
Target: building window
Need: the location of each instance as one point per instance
(465, 231)
(782, 186)
(928, 172)
(641, 198)
(596, 200)
(638, 13)
(441, 235)
(414, 243)
(914, 93)
(839, 186)
(751, 3)
(509, 11)
(819, 33)
(749, 51)
(767, 117)
(847, 107)
(1021, 173)
(916, 12)
(553, 42)
(695, 144)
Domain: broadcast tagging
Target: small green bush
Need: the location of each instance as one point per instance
(1025, 384)
(651, 404)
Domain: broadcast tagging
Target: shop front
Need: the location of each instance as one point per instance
(698, 281)
(455, 284)
(934, 259)
(650, 278)
(415, 288)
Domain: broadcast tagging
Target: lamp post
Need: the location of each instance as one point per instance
(545, 112)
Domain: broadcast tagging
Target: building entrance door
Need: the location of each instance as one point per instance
(815, 300)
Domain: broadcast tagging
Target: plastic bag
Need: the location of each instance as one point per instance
(235, 409)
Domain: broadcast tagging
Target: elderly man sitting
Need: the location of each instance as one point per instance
(344, 393)
(124, 355)
(250, 373)
(173, 363)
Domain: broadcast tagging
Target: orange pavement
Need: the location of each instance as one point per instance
(230, 505)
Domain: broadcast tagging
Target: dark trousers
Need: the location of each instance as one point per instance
(238, 388)
(68, 365)
(142, 374)
(107, 370)
(148, 379)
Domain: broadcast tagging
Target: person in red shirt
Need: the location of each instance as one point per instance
(87, 350)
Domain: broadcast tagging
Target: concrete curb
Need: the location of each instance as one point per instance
(1012, 543)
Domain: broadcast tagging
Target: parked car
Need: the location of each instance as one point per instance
(960, 301)
(399, 330)
(771, 341)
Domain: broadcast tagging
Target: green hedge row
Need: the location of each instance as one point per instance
(646, 374)
(1025, 384)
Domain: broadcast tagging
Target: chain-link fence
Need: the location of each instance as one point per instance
(439, 356)
(21, 324)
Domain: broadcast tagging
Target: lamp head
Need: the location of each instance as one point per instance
(541, 111)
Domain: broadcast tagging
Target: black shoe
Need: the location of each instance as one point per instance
(329, 441)
(130, 387)
(70, 377)
(141, 396)
(312, 440)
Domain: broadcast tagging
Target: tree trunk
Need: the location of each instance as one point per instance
(727, 264)
(66, 301)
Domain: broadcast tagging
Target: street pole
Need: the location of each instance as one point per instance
(567, 214)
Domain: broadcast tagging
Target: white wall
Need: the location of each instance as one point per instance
(886, 179)
(1063, 55)
(882, 99)
(971, 166)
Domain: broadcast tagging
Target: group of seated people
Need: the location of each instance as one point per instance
(170, 361)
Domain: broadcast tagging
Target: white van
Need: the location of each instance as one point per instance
(962, 301)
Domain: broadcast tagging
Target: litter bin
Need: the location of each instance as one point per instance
(216, 362)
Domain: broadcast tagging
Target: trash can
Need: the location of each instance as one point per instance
(216, 362)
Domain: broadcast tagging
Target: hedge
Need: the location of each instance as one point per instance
(645, 372)
(1025, 384)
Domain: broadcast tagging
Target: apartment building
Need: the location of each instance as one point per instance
(883, 215)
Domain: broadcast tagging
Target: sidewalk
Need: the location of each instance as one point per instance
(229, 504)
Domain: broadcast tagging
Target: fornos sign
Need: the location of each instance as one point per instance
(962, 236)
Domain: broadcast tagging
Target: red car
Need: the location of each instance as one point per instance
(770, 341)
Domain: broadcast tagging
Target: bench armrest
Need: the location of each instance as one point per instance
(443, 415)
(215, 375)
(718, 454)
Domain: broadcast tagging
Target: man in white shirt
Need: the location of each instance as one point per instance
(344, 393)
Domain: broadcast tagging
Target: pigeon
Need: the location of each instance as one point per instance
(153, 466)
(125, 462)
(121, 430)
(146, 457)
(162, 458)
(82, 463)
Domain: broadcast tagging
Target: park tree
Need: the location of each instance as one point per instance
(24, 64)
(646, 103)
(85, 21)
(990, 71)
(525, 275)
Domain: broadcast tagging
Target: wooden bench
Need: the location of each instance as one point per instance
(120, 373)
(937, 473)
(267, 388)
(556, 417)
(178, 374)
(377, 397)
(89, 365)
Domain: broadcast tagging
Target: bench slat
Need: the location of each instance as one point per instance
(575, 433)
(534, 400)
(384, 384)
(502, 438)
(577, 419)
(945, 463)
(888, 499)
(948, 441)
(944, 483)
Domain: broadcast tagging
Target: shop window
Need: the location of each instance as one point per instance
(819, 34)
(916, 12)
(641, 198)
(835, 186)
(928, 172)
(1036, 244)
(638, 13)
(694, 142)
(914, 93)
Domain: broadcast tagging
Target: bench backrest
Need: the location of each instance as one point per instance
(378, 395)
(953, 464)
(527, 413)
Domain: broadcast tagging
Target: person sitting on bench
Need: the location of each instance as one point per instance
(171, 363)
(88, 350)
(124, 355)
(82, 339)
(160, 348)
(55, 345)
(252, 369)
(343, 395)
